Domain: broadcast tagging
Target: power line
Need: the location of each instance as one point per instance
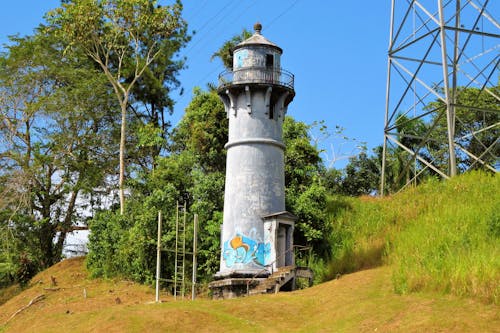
(209, 41)
(200, 39)
(214, 16)
(196, 13)
(282, 13)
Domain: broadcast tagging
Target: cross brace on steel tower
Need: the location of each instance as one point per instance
(443, 97)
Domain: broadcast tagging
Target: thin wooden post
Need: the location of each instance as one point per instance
(195, 243)
(176, 248)
(158, 259)
(183, 283)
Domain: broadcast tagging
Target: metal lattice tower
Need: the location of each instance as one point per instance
(443, 94)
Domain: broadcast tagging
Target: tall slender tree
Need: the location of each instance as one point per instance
(124, 37)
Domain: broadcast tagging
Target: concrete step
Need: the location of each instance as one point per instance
(275, 281)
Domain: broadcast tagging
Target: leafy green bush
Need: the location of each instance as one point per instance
(312, 227)
(7, 273)
(108, 232)
(20, 256)
(126, 245)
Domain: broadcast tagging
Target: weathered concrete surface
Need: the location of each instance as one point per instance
(255, 181)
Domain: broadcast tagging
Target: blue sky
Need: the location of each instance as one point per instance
(336, 49)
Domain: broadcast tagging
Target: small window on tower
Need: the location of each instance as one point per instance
(269, 60)
(271, 111)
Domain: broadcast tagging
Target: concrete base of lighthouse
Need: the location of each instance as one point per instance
(236, 283)
(278, 227)
(233, 287)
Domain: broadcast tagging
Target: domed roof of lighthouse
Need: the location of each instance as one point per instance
(258, 40)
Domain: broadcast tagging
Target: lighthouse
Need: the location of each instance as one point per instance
(257, 231)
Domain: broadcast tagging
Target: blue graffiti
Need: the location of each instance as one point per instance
(240, 57)
(263, 253)
(243, 250)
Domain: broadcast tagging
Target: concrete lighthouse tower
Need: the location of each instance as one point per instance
(257, 232)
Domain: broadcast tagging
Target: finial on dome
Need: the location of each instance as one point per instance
(257, 27)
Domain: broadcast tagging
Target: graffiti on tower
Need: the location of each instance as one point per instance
(241, 249)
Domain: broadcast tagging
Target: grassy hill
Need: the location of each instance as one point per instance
(358, 302)
(426, 259)
(439, 236)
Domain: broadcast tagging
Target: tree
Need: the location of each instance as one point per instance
(124, 37)
(302, 160)
(404, 166)
(331, 179)
(203, 130)
(18, 245)
(305, 194)
(477, 115)
(225, 52)
(151, 102)
(362, 176)
(54, 116)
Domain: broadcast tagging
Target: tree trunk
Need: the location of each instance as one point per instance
(122, 156)
(46, 236)
(27, 165)
(66, 225)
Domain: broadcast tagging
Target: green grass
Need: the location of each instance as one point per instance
(441, 236)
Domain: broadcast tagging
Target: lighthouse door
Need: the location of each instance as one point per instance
(281, 246)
